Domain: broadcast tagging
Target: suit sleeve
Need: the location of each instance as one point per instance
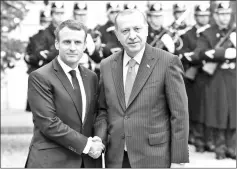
(41, 100)
(101, 119)
(178, 106)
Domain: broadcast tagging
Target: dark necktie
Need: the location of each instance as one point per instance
(77, 90)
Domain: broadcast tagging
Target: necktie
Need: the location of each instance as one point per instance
(77, 90)
(130, 78)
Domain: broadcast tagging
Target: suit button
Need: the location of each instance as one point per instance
(126, 117)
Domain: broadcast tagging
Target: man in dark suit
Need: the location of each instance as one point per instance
(63, 100)
(143, 102)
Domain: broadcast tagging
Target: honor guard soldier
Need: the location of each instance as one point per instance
(40, 49)
(80, 13)
(107, 31)
(216, 48)
(179, 27)
(45, 18)
(178, 11)
(196, 81)
(158, 36)
(45, 50)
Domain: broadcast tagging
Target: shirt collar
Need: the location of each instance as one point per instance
(65, 67)
(137, 58)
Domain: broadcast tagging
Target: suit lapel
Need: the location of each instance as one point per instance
(86, 84)
(145, 69)
(117, 71)
(66, 83)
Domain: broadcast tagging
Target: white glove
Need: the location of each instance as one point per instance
(114, 50)
(168, 42)
(90, 45)
(230, 53)
(188, 54)
(233, 38)
(43, 53)
(210, 53)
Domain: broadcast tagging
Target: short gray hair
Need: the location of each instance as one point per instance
(128, 12)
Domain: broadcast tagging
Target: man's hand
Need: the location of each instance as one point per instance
(44, 53)
(230, 53)
(96, 147)
(187, 55)
(176, 165)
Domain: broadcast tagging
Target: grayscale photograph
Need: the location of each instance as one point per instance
(118, 84)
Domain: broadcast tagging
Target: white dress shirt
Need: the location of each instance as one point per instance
(126, 58)
(66, 70)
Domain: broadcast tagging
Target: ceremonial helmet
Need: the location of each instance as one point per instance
(112, 7)
(57, 7)
(179, 7)
(202, 9)
(155, 9)
(223, 7)
(80, 8)
(45, 16)
(129, 5)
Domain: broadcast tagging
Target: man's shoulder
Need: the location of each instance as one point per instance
(162, 54)
(88, 72)
(43, 71)
(110, 58)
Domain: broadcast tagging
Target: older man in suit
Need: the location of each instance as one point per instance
(63, 100)
(143, 102)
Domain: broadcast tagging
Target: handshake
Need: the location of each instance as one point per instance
(96, 147)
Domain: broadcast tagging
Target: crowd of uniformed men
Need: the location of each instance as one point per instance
(207, 51)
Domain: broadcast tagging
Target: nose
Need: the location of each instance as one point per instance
(72, 47)
(132, 35)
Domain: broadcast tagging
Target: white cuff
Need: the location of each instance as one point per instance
(88, 146)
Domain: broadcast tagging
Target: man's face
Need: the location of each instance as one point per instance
(178, 14)
(156, 21)
(112, 15)
(57, 17)
(202, 19)
(223, 18)
(81, 18)
(71, 46)
(132, 32)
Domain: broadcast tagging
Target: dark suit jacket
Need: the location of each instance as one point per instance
(59, 134)
(155, 122)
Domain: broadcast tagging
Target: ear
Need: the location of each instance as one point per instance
(56, 45)
(85, 45)
(116, 33)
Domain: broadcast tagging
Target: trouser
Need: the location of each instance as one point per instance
(204, 136)
(225, 141)
(191, 138)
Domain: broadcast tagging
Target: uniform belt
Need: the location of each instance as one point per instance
(228, 65)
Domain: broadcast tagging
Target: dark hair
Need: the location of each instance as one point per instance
(127, 12)
(71, 24)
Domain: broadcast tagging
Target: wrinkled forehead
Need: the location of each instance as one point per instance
(131, 20)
